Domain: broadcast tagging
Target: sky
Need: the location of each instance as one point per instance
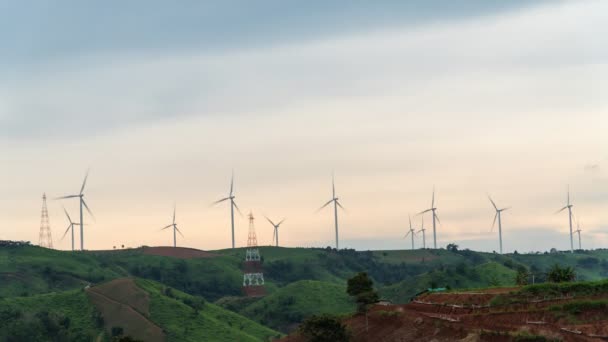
(163, 101)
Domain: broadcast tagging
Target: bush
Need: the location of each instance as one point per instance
(558, 274)
(324, 328)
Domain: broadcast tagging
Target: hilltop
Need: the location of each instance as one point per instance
(299, 281)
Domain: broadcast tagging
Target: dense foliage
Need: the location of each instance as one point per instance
(324, 328)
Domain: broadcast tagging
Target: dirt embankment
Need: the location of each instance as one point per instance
(468, 316)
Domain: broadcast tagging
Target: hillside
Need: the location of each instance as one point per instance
(301, 281)
(545, 312)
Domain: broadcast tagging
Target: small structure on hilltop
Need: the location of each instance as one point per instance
(253, 277)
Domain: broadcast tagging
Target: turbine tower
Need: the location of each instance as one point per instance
(275, 234)
(233, 205)
(569, 207)
(70, 227)
(175, 229)
(44, 238)
(423, 234)
(83, 204)
(411, 232)
(336, 202)
(435, 218)
(498, 216)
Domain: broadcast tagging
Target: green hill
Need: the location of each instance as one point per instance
(299, 281)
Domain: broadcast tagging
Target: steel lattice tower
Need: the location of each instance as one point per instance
(253, 278)
(45, 239)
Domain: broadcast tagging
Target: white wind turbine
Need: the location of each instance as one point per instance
(175, 229)
(233, 205)
(410, 232)
(433, 209)
(423, 231)
(275, 234)
(498, 216)
(337, 204)
(578, 230)
(569, 207)
(70, 227)
(83, 204)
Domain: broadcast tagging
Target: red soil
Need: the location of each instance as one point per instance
(178, 252)
(441, 320)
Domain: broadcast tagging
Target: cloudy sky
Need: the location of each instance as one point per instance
(162, 101)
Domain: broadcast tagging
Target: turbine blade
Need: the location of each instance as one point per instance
(64, 197)
(494, 222)
(68, 215)
(281, 222)
(340, 205)
(87, 208)
(333, 185)
(507, 208)
(237, 208)
(179, 231)
(437, 217)
(562, 209)
(269, 220)
(84, 183)
(174, 209)
(433, 200)
(274, 233)
(408, 234)
(232, 183)
(410, 218)
(494, 204)
(325, 205)
(220, 201)
(425, 211)
(66, 232)
(169, 226)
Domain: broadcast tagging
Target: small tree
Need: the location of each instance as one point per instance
(522, 276)
(558, 274)
(324, 328)
(361, 287)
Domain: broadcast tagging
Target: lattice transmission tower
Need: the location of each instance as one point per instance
(253, 277)
(45, 239)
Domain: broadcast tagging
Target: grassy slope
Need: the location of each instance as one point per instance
(296, 301)
(212, 323)
(73, 304)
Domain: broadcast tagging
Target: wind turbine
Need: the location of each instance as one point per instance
(569, 207)
(578, 230)
(423, 234)
(337, 204)
(275, 234)
(82, 204)
(435, 218)
(498, 216)
(175, 229)
(70, 227)
(233, 205)
(410, 232)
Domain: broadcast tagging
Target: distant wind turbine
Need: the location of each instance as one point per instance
(423, 231)
(337, 204)
(275, 234)
(435, 218)
(82, 204)
(410, 232)
(578, 230)
(569, 207)
(70, 227)
(175, 229)
(498, 216)
(233, 205)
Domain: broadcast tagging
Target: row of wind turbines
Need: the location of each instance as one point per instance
(336, 204)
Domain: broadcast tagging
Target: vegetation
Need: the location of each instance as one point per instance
(324, 328)
(559, 274)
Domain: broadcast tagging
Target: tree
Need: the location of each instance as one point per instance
(324, 328)
(361, 287)
(522, 276)
(558, 274)
(452, 247)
